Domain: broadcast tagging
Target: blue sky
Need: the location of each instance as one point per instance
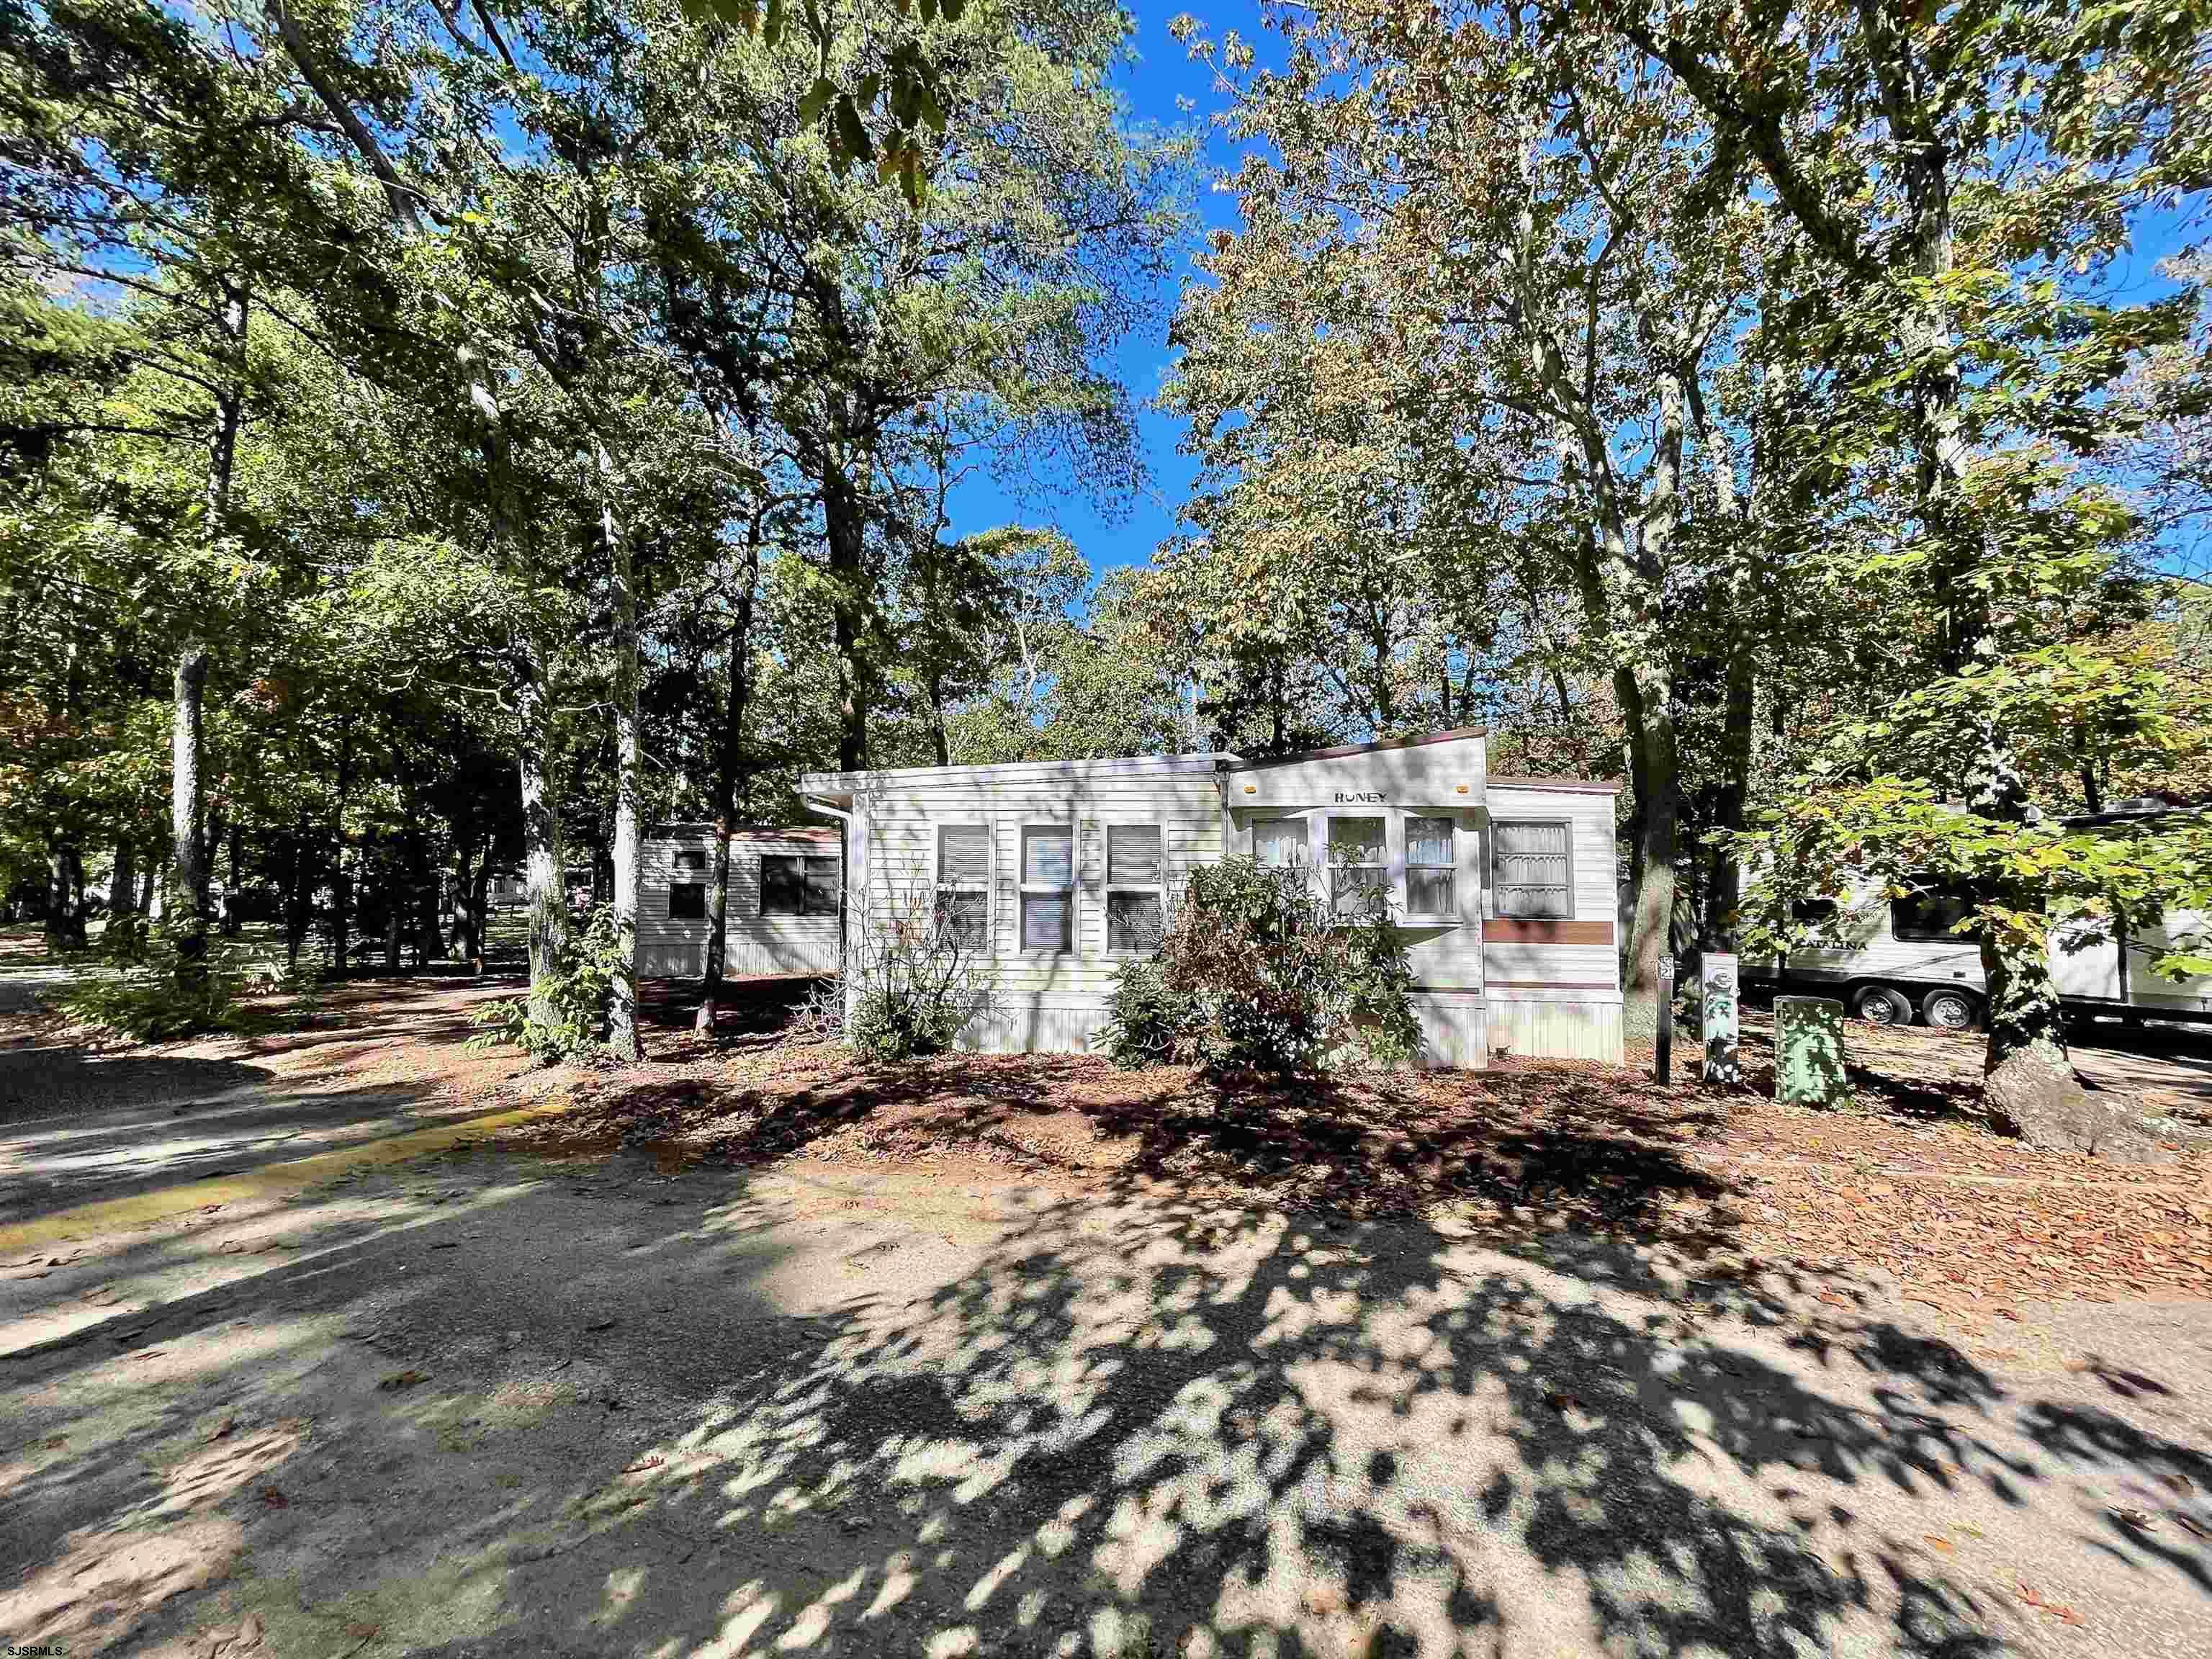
(1165, 86)
(1162, 74)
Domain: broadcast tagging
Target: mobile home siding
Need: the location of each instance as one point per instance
(1054, 1001)
(1554, 987)
(676, 947)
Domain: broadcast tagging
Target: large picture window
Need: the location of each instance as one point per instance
(1531, 869)
(1136, 877)
(796, 884)
(1048, 888)
(1431, 889)
(1358, 867)
(963, 882)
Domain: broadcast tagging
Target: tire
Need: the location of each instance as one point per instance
(1950, 1010)
(1878, 1005)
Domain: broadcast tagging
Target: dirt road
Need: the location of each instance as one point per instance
(448, 1396)
(484, 1406)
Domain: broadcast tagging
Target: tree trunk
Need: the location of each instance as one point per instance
(542, 887)
(479, 896)
(845, 532)
(233, 886)
(341, 872)
(299, 897)
(123, 883)
(729, 770)
(2028, 1080)
(622, 1007)
(185, 901)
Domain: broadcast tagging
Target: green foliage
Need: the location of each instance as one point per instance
(1149, 1016)
(564, 1015)
(148, 1002)
(1255, 973)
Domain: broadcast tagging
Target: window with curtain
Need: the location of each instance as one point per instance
(1136, 877)
(963, 882)
(687, 901)
(1359, 868)
(1278, 843)
(1048, 887)
(793, 885)
(1431, 889)
(691, 858)
(1530, 872)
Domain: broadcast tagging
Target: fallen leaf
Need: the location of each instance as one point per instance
(274, 1499)
(1941, 1543)
(399, 1380)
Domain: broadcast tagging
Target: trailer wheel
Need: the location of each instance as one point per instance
(1950, 1011)
(1878, 1005)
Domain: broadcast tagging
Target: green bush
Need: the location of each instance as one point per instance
(1148, 1016)
(146, 1000)
(564, 1015)
(1257, 974)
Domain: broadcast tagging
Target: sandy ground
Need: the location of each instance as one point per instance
(852, 1395)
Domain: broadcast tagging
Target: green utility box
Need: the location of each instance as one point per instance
(1808, 1052)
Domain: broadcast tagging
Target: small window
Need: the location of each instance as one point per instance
(1048, 888)
(1431, 889)
(1136, 874)
(1358, 869)
(690, 858)
(1815, 911)
(793, 885)
(1531, 872)
(963, 875)
(687, 901)
(1280, 842)
(1928, 917)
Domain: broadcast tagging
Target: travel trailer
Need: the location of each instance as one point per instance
(1901, 961)
(1507, 887)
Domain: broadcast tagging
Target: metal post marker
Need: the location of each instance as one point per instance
(1664, 1069)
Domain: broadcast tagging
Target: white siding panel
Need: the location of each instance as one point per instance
(672, 948)
(1557, 1028)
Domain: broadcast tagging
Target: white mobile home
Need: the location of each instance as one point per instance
(785, 890)
(1506, 886)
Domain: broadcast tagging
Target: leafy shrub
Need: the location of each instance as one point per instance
(1257, 974)
(1148, 1016)
(564, 1015)
(144, 998)
(919, 980)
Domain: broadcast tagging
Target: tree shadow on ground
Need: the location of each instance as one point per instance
(1120, 1423)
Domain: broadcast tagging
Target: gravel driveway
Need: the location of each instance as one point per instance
(487, 1405)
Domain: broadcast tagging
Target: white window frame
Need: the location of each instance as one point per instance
(942, 886)
(1393, 860)
(1024, 887)
(1303, 820)
(1158, 889)
(1491, 896)
(1450, 822)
